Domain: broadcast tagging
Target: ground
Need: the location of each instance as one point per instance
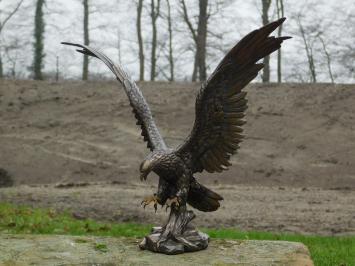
(294, 172)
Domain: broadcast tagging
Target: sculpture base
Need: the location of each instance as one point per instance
(176, 236)
(191, 240)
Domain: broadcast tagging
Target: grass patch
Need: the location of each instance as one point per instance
(330, 251)
(25, 220)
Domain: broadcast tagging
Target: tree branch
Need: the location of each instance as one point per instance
(2, 24)
(187, 20)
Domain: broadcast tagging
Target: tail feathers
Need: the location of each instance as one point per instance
(203, 199)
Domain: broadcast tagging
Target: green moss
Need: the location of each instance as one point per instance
(81, 240)
(101, 247)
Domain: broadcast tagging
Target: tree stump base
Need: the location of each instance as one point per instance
(177, 236)
(191, 240)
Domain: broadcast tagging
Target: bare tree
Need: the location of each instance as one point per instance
(140, 39)
(119, 48)
(15, 47)
(347, 50)
(154, 14)
(347, 59)
(280, 14)
(85, 73)
(199, 37)
(265, 19)
(57, 68)
(39, 41)
(2, 25)
(170, 30)
(308, 46)
(193, 35)
(328, 57)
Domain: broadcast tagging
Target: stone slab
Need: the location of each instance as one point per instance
(16, 250)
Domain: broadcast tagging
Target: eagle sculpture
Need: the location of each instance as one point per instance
(215, 137)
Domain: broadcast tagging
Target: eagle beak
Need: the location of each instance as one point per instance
(144, 176)
(145, 169)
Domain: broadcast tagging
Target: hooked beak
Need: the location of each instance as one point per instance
(145, 169)
(144, 175)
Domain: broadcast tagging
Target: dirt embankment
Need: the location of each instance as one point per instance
(297, 135)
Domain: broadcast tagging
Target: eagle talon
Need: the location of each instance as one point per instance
(151, 199)
(175, 201)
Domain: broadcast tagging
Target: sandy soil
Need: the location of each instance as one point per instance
(298, 155)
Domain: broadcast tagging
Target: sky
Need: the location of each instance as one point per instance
(112, 26)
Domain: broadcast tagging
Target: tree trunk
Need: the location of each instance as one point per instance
(140, 39)
(38, 44)
(86, 39)
(194, 37)
(13, 69)
(265, 18)
(1, 69)
(201, 39)
(195, 70)
(171, 56)
(155, 9)
(280, 14)
(57, 69)
(329, 60)
(309, 53)
(119, 47)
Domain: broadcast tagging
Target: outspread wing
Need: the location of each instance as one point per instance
(221, 103)
(140, 107)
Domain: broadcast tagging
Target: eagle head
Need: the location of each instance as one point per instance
(150, 163)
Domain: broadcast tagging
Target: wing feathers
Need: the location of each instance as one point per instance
(221, 103)
(140, 107)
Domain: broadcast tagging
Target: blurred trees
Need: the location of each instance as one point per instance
(308, 36)
(140, 39)
(280, 14)
(265, 19)
(39, 41)
(347, 46)
(12, 54)
(86, 38)
(199, 36)
(175, 39)
(328, 57)
(154, 14)
(3, 22)
(201, 39)
(171, 52)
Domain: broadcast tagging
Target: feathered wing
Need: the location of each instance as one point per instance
(140, 107)
(221, 103)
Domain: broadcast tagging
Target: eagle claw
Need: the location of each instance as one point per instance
(175, 201)
(151, 199)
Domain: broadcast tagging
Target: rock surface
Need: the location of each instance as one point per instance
(83, 250)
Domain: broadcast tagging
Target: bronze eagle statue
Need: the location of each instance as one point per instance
(215, 137)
